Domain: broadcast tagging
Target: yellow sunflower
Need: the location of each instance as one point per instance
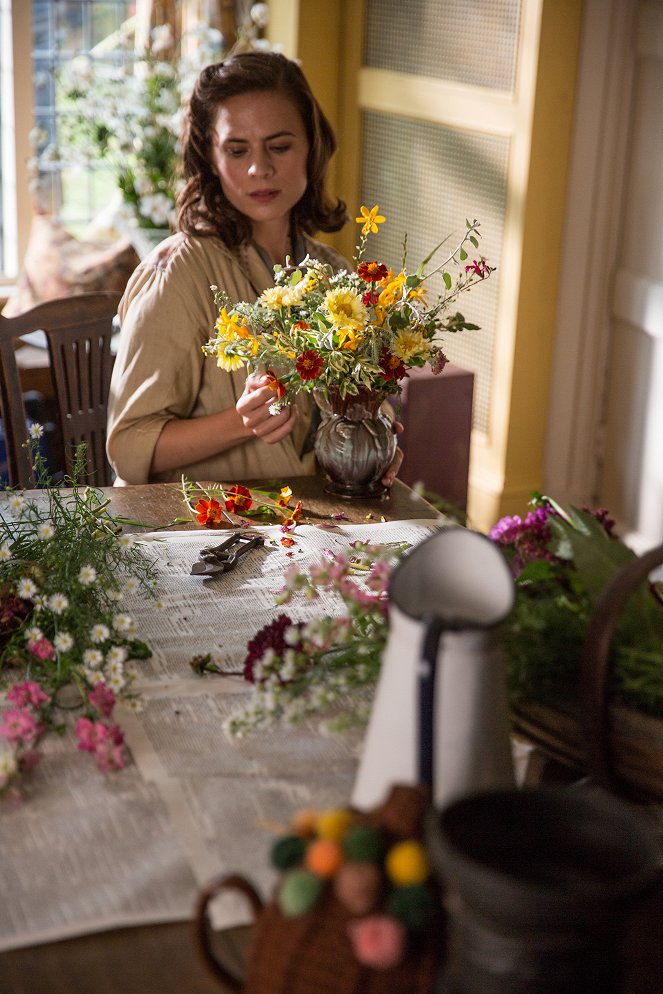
(410, 344)
(227, 360)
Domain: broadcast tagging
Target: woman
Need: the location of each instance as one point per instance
(256, 151)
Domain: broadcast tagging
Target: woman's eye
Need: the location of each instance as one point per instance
(234, 153)
(279, 148)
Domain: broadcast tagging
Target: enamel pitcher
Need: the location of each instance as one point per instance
(440, 713)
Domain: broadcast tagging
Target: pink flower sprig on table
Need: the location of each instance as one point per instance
(22, 728)
(300, 668)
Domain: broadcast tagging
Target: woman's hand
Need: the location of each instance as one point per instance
(253, 408)
(393, 468)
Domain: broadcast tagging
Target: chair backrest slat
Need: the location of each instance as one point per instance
(78, 333)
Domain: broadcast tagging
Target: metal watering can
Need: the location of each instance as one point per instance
(440, 713)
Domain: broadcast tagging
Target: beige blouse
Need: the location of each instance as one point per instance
(167, 314)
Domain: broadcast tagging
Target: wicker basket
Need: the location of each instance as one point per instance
(619, 748)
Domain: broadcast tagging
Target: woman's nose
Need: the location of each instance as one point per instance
(261, 164)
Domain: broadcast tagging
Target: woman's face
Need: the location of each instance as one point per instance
(259, 153)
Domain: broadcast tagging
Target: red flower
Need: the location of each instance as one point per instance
(209, 513)
(372, 272)
(294, 516)
(309, 365)
(370, 298)
(287, 541)
(392, 367)
(479, 268)
(238, 499)
(302, 325)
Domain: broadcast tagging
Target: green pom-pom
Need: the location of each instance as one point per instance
(287, 852)
(299, 892)
(363, 844)
(414, 906)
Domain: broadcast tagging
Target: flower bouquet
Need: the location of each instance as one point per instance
(66, 643)
(348, 338)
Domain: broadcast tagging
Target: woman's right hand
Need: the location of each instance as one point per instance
(253, 408)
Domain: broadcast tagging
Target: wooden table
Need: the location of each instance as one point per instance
(161, 958)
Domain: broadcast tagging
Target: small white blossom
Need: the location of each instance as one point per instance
(16, 502)
(131, 586)
(33, 634)
(26, 588)
(126, 541)
(58, 603)
(63, 641)
(87, 575)
(116, 682)
(99, 633)
(93, 658)
(45, 530)
(114, 595)
(260, 15)
(36, 430)
(93, 677)
(124, 623)
(5, 552)
(135, 704)
(116, 654)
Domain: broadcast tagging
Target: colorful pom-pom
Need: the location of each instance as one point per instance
(406, 863)
(378, 941)
(324, 856)
(287, 852)
(413, 905)
(333, 824)
(305, 823)
(299, 892)
(358, 887)
(363, 843)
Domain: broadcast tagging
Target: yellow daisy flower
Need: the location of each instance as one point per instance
(275, 297)
(343, 305)
(370, 219)
(228, 361)
(410, 343)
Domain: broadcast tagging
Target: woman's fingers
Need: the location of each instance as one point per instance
(254, 409)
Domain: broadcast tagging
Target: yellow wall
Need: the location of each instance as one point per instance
(507, 461)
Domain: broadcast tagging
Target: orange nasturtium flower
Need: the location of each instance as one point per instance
(238, 499)
(370, 220)
(285, 496)
(295, 515)
(287, 541)
(209, 513)
(275, 384)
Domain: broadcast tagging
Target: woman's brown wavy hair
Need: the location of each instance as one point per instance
(202, 207)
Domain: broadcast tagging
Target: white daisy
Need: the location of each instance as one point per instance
(87, 575)
(99, 633)
(123, 623)
(114, 595)
(58, 603)
(26, 588)
(36, 430)
(45, 530)
(126, 541)
(131, 586)
(116, 682)
(93, 658)
(33, 634)
(93, 677)
(63, 641)
(5, 552)
(116, 654)
(16, 502)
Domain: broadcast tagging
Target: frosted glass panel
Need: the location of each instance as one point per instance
(427, 180)
(474, 42)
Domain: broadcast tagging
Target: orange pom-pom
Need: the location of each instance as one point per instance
(324, 857)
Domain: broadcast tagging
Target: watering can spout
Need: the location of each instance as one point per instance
(440, 714)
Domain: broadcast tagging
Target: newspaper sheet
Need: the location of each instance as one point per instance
(86, 852)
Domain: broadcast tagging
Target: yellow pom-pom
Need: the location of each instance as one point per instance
(334, 824)
(324, 856)
(406, 863)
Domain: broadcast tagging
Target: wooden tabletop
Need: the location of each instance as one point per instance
(162, 959)
(155, 505)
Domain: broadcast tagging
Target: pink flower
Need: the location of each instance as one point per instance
(110, 756)
(42, 649)
(28, 694)
(102, 699)
(90, 733)
(378, 941)
(20, 726)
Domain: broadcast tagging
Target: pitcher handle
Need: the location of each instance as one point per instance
(203, 929)
(433, 628)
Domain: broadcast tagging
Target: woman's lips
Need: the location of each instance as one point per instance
(264, 196)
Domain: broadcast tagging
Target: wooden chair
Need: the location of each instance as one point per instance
(78, 332)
